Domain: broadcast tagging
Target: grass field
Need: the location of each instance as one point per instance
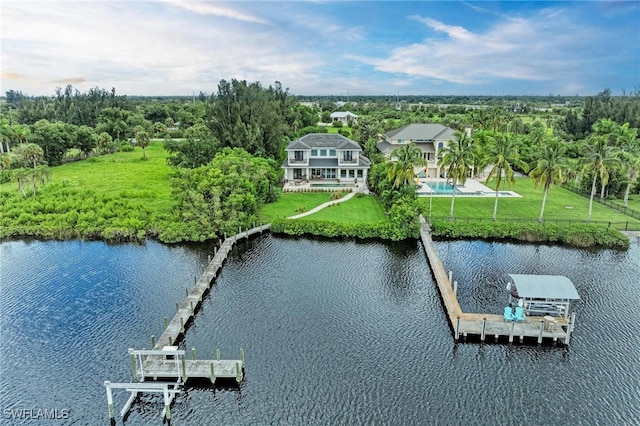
(561, 204)
(358, 209)
(124, 174)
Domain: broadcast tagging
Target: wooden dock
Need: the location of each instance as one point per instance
(185, 312)
(487, 325)
(168, 363)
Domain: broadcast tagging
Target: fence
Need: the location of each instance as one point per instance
(620, 226)
(613, 204)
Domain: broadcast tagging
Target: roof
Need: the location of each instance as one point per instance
(324, 140)
(544, 287)
(415, 131)
(342, 114)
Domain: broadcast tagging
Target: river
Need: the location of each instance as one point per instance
(334, 332)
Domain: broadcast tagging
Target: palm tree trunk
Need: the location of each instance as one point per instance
(495, 206)
(453, 199)
(602, 192)
(593, 193)
(626, 194)
(544, 201)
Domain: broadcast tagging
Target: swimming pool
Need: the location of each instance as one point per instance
(438, 188)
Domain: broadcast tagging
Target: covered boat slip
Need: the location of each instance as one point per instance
(542, 294)
(539, 326)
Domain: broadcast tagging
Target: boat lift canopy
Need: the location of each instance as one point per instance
(547, 287)
(543, 294)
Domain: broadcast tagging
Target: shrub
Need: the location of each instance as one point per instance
(573, 235)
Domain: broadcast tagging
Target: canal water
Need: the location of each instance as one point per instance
(346, 333)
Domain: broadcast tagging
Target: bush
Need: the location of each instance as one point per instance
(573, 235)
(126, 147)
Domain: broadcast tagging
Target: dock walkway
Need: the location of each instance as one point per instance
(165, 361)
(186, 311)
(484, 325)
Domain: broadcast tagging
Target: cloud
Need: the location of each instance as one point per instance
(536, 48)
(107, 43)
(208, 8)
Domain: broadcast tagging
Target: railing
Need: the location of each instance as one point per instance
(613, 204)
(298, 161)
(620, 226)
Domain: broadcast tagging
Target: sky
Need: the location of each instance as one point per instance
(342, 48)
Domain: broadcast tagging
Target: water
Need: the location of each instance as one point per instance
(442, 188)
(334, 333)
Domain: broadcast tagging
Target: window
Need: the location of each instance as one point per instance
(314, 152)
(332, 152)
(347, 156)
(401, 141)
(351, 173)
(343, 173)
(440, 145)
(298, 155)
(359, 173)
(323, 153)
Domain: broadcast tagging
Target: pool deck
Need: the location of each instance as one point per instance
(471, 188)
(320, 185)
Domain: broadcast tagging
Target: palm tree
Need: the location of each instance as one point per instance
(142, 139)
(550, 168)
(458, 158)
(503, 153)
(402, 170)
(629, 156)
(599, 157)
(632, 165)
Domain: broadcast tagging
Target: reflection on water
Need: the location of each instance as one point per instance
(334, 333)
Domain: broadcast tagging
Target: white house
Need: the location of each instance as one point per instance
(429, 137)
(323, 159)
(344, 117)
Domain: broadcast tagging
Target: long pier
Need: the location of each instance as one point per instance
(165, 361)
(185, 313)
(486, 325)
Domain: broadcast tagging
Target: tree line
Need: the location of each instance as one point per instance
(244, 127)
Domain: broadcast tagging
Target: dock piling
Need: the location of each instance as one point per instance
(193, 354)
(513, 326)
(166, 322)
(217, 354)
(134, 368)
(181, 324)
(213, 373)
(177, 307)
(541, 331)
(242, 356)
(455, 288)
(238, 373)
(167, 404)
(112, 413)
(484, 325)
(153, 340)
(457, 328)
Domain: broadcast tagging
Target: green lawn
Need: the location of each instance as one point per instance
(292, 203)
(124, 174)
(561, 204)
(359, 209)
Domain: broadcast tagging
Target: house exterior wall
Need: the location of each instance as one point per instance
(319, 157)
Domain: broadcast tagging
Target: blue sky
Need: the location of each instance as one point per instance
(176, 47)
